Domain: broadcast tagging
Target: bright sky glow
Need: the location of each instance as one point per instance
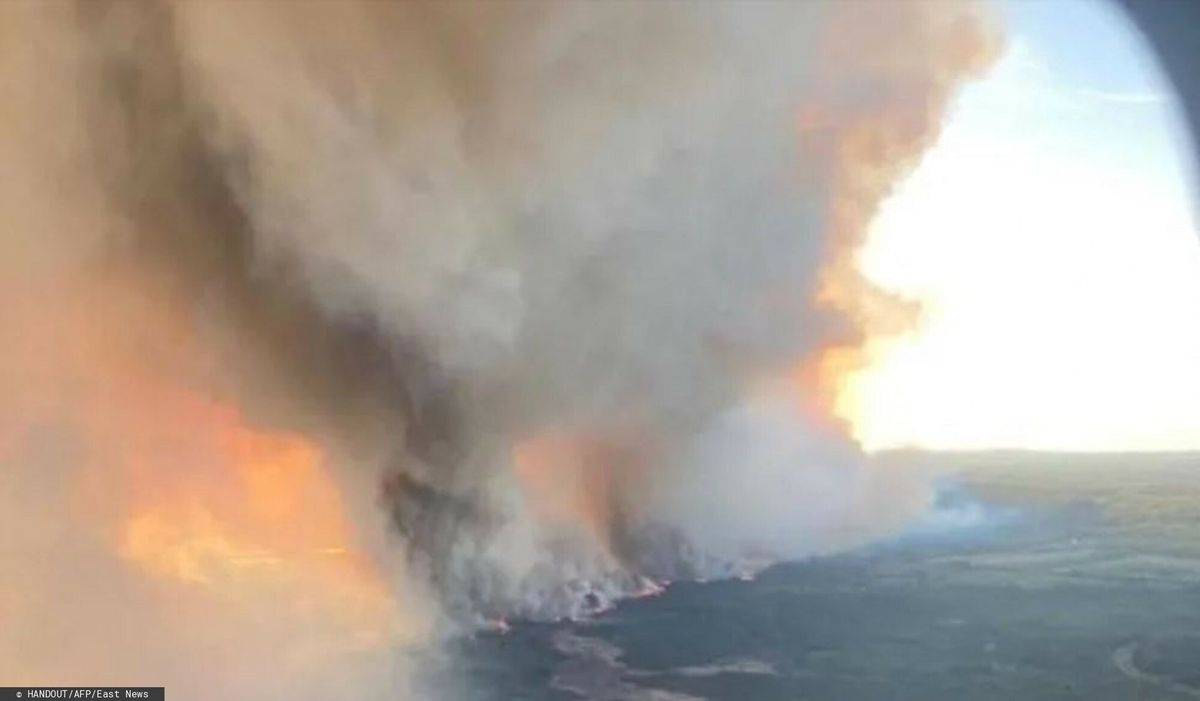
(1050, 235)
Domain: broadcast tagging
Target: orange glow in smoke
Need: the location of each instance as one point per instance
(251, 512)
(193, 494)
(567, 479)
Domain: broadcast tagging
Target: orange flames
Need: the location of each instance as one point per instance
(244, 515)
(203, 527)
(183, 486)
(256, 512)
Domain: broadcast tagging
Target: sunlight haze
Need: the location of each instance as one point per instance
(1049, 236)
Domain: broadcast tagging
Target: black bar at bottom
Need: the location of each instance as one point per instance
(113, 693)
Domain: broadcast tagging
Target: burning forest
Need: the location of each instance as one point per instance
(333, 330)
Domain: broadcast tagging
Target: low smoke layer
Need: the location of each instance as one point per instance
(333, 328)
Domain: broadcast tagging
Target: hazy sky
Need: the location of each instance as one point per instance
(1050, 234)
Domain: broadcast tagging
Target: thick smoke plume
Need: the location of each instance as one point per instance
(334, 327)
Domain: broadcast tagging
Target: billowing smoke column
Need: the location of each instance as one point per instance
(331, 327)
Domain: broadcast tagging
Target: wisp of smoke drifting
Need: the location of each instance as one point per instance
(333, 328)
